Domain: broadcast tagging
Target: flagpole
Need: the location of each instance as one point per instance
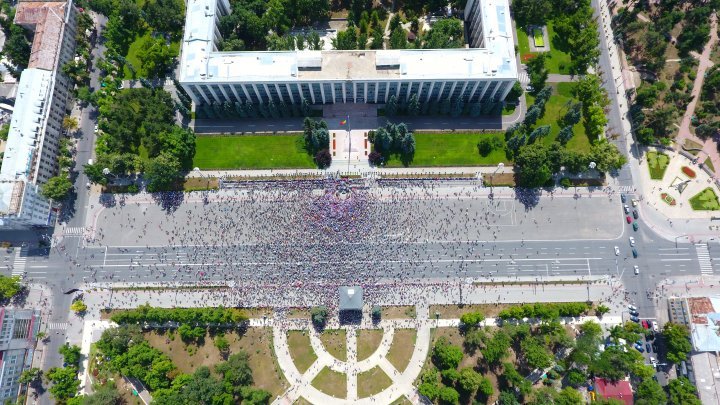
(349, 141)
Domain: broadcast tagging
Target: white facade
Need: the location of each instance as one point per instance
(18, 330)
(483, 73)
(30, 157)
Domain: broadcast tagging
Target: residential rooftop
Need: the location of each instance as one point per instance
(47, 19)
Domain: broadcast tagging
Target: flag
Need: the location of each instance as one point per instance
(343, 122)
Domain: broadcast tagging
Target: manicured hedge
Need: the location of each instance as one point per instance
(545, 311)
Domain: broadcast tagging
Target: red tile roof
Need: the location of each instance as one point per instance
(620, 390)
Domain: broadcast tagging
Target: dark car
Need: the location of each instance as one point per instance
(635, 319)
(622, 197)
(635, 252)
(635, 214)
(647, 347)
(635, 226)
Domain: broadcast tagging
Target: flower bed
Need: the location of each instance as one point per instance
(688, 172)
(669, 200)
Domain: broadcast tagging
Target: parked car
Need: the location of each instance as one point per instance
(628, 219)
(626, 208)
(635, 214)
(634, 202)
(635, 226)
(622, 198)
(617, 251)
(632, 241)
(655, 327)
(634, 313)
(635, 319)
(637, 270)
(645, 324)
(639, 348)
(635, 253)
(648, 347)
(632, 307)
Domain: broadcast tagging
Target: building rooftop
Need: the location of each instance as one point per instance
(705, 328)
(47, 19)
(620, 390)
(351, 298)
(706, 373)
(200, 62)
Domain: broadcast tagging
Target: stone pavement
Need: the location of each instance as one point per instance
(652, 189)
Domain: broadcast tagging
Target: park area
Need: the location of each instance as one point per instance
(252, 152)
(555, 108)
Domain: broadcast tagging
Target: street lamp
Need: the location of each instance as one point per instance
(200, 173)
(592, 165)
(492, 178)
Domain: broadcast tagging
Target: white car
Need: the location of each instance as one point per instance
(637, 270)
(96, 128)
(632, 307)
(632, 241)
(626, 208)
(617, 251)
(653, 362)
(634, 202)
(655, 327)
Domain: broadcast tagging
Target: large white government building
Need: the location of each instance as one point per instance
(484, 71)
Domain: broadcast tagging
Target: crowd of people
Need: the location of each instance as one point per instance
(262, 237)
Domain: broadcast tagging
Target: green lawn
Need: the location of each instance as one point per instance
(452, 149)
(559, 60)
(251, 152)
(372, 382)
(301, 350)
(705, 200)
(555, 108)
(331, 382)
(657, 163)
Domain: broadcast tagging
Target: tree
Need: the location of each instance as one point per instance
(539, 132)
(323, 158)
(78, 307)
(537, 71)
(532, 115)
(115, 341)
(535, 354)
(71, 354)
(57, 188)
(677, 339)
(17, 49)
(445, 355)
(375, 158)
(448, 395)
(163, 172)
(165, 15)
(445, 33)
(70, 123)
(106, 394)
(346, 40)
(319, 316)
(602, 310)
(9, 286)
(531, 12)
(573, 115)
(413, 108)
(649, 392)
(30, 376)
(236, 370)
(606, 156)
(472, 319)
(407, 145)
(222, 344)
(469, 380)
(430, 390)
(496, 348)
(487, 144)
(515, 92)
(65, 382)
(398, 39)
(532, 165)
(507, 398)
(682, 392)
(391, 106)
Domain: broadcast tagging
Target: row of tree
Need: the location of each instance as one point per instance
(545, 311)
(452, 106)
(192, 316)
(317, 141)
(248, 109)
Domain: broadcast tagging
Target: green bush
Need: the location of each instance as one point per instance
(194, 316)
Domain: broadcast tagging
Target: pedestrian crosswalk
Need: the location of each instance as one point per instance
(701, 249)
(58, 325)
(74, 231)
(523, 78)
(19, 262)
